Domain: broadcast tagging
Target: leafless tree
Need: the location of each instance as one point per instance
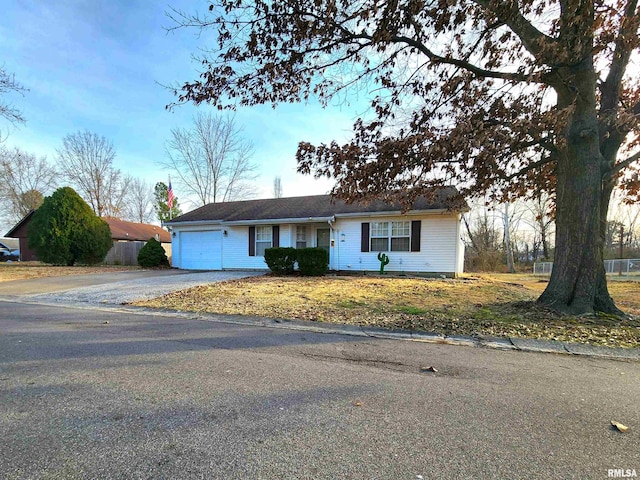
(212, 159)
(8, 84)
(139, 201)
(24, 179)
(539, 218)
(86, 162)
(508, 246)
(626, 214)
(484, 250)
(277, 187)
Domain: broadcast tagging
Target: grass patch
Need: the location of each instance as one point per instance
(26, 270)
(490, 305)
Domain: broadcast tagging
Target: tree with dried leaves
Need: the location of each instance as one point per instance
(510, 98)
(212, 159)
(24, 180)
(85, 160)
(8, 84)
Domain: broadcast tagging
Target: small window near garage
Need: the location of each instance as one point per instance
(379, 236)
(301, 237)
(400, 236)
(263, 239)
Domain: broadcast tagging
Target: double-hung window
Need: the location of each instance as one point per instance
(379, 236)
(390, 236)
(264, 239)
(400, 236)
(301, 237)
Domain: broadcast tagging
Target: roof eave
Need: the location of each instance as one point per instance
(19, 224)
(263, 221)
(188, 223)
(393, 213)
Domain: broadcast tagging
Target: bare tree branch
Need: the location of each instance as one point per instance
(8, 84)
(86, 162)
(24, 180)
(212, 159)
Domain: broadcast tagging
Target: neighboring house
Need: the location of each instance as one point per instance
(234, 235)
(19, 231)
(130, 237)
(121, 232)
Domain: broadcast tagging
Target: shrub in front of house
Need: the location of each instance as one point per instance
(280, 260)
(152, 255)
(313, 262)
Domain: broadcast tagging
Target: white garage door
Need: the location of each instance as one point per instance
(201, 250)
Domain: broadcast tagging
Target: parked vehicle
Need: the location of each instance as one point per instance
(9, 255)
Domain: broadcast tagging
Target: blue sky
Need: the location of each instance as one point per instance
(99, 65)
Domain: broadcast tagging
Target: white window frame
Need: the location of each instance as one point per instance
(264, 239)
(389, 231)
(301, 236)
(379, 231)
(400, 230)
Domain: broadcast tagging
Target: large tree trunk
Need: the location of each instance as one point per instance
(578, 283)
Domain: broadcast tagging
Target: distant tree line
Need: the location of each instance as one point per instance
(531, 229)
(85, 161)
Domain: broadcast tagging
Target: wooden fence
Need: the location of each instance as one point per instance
(126, 253)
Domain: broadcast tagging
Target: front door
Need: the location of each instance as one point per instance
(323, 239)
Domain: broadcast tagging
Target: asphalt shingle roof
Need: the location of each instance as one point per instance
(122, 230)
(300, 207)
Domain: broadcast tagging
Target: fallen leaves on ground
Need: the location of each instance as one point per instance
(477, 305)
(622, 428)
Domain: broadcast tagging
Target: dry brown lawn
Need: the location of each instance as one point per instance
(485, 305)
(24, 270)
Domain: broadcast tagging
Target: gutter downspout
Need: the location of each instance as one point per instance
(331, 221)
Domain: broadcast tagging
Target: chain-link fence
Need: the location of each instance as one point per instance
(542, 268)
(629, 267)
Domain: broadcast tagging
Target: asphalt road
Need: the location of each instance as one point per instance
(153, 397)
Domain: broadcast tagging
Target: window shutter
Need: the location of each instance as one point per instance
(364, 241)
(252, 241)
(415, 235)
(275, 236)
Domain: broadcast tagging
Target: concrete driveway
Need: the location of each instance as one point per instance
(112, 288)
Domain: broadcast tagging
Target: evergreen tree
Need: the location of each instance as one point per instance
(65, 231)
(153, 255)
(161, 196)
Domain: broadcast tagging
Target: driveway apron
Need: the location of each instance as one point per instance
(112, 288)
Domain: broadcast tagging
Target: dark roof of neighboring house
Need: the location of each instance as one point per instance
(11, 233)
(121, 230)
(302, 207)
